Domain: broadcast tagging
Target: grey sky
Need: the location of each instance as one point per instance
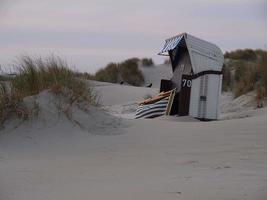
(89, 34)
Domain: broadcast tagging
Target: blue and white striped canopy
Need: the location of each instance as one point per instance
(152, 110)
(171, 44)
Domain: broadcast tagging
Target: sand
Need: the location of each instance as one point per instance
(119, 158)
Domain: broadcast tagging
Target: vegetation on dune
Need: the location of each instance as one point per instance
(244, 71)
(227, 78)
(126, 71)
(240, 54)
(130, 72)
(146, 62)
(36, 75)
(108, 74)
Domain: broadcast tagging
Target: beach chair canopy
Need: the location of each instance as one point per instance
(204, 56)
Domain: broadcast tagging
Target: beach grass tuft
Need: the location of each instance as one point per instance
(34, 75)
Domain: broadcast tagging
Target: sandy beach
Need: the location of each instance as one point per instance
(115, 157)
(133, 100)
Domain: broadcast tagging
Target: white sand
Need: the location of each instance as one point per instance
(243, 106)
(134, 159)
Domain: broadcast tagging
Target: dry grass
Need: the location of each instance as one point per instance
(11, 104)
(250, 73)
(146, 62)
(126, 71)
(108, 74)
(247, 81)
(36, 75)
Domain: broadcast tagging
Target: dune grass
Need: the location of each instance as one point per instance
(3, 100)
(245, 71)
(126, 71)
(36, 75)
(147, 62)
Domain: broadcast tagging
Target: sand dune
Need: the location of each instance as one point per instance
(116, 158)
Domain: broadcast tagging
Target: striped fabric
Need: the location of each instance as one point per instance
(152, 110)
(171, 44)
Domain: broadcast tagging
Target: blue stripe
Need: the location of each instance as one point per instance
(164, 100)
(150, 106)
(156, 107)
(152, 110)
(171, 44)
(152, 113)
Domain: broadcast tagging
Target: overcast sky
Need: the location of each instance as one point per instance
(91, 33)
